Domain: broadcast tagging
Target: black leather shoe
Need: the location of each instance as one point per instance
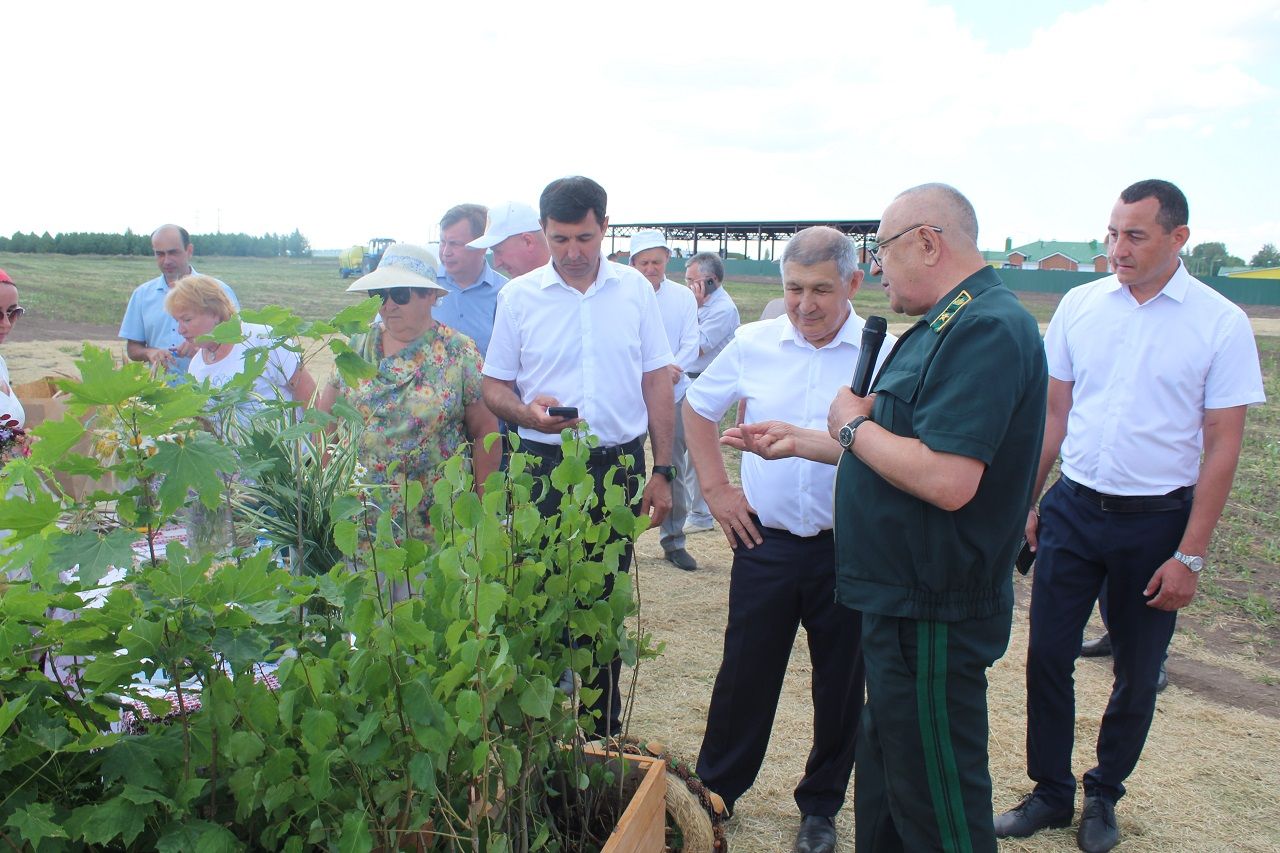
(1162, 680)
(1098, 832)
(681, 559)
(1099, 648)
(1030, 816)
(817, 835)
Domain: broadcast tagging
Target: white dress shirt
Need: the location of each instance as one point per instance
(783, 377)
(717, 321)
(588, 350)
(1144, 376)
(679, 310)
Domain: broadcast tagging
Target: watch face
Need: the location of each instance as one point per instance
(846, 436)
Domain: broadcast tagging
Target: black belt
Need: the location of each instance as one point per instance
(597, 454)
(1174, 500)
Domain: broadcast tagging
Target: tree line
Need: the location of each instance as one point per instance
(1210, 258)
(101, 243)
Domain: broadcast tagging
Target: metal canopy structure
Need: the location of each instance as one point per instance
(724, 233)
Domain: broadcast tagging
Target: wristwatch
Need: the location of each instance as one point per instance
(1195, 564)
(849, 430)
(668, 471)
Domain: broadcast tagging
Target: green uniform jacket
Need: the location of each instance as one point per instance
(970, 378)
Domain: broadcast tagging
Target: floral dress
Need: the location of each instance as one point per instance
(413, 411)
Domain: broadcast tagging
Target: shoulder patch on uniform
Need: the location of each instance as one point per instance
(962, 299)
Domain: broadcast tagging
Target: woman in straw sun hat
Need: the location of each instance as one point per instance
(423, 405)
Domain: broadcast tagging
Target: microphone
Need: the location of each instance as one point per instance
(872, 339)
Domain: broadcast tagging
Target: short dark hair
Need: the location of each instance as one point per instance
(476, 215)
(1173, 204)
(182, 232)
(710, 264)
(570, 199)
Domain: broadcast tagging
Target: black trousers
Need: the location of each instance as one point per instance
(775, 587)
(1082, 550)
(605, 468)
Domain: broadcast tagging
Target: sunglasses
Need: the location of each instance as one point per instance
(13, 313)
(398, 295)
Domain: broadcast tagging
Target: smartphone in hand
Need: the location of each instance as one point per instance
(562, 411)
(1025, 558)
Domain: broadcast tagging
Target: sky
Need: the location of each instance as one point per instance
(349, 121)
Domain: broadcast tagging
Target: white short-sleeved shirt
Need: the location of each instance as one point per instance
(717, 321)
(679, 309)
(1143, 376)
(9, 403)
(588, 350)
(273, 382)
(783, 377)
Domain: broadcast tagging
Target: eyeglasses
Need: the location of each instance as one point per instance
(875, 253)
(398, 295)
(13, 313)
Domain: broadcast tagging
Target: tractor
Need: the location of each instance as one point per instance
(359, 260)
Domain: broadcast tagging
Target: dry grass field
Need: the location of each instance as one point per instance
(1209, 779)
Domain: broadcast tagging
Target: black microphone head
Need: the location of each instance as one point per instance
(877, 324)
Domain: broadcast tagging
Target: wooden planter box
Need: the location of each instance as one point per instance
(643, 824)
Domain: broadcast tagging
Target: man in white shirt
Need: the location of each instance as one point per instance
(1147, 369)
(718, 320)
(515, 236)
(779, 525)
(649, 254)
(586, 333)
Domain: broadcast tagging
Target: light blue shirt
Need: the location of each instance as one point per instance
(470, 309)
(146, 320)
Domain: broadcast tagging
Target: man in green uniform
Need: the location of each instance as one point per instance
(931, 495)
(932, 490)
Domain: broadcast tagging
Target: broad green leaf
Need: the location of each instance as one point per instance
(142, 796)
(354, 368)
(242, 648)
(10, 710)
(199, 836)
(226, 332)
(490, 598)
(422, 770)
(35, 822)
(244, 747)
(344, 536)
(537, 696)
(116, 818)
(355, 837)
(96, 555)
(56, 440)
(318, 728)
(193, 465)
(468, 706)
(103, 382)
(28, 515)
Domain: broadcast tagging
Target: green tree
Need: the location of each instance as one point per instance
(1209, 258)
(1267, 256)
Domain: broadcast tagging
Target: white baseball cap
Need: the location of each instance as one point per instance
(507, 220)
(653, 239)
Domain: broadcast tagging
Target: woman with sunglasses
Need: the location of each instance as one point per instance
(10, 311)
(423, 405)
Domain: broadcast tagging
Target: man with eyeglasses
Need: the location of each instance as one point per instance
(718, 320)
(586, 333)
(1150, 375)
(935, 470)
(471, 285)
(151, 334)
